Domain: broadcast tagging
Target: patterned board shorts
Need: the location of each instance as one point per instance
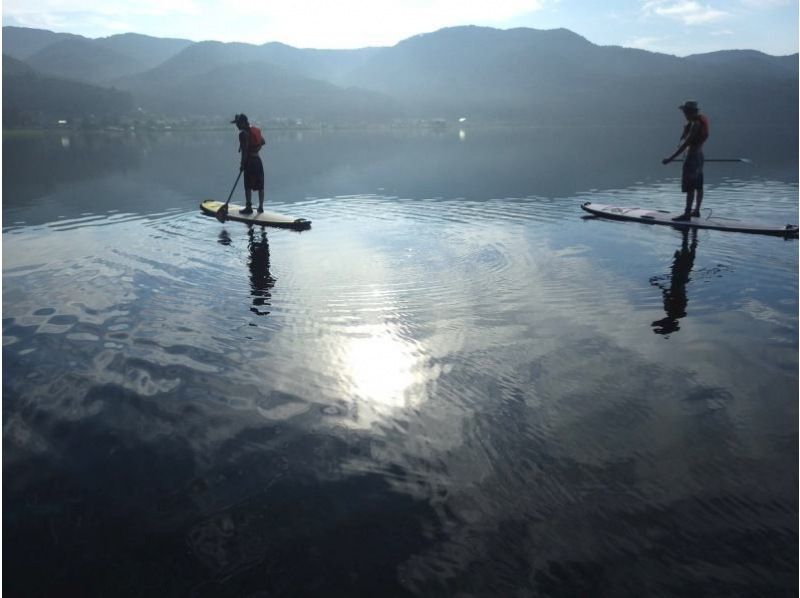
(254, 174)
(692, 177)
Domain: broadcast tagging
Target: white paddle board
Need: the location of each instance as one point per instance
(210, 207)
(651, 216)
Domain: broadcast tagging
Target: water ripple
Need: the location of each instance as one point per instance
(470, 389)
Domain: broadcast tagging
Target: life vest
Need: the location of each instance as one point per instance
(702, 135)
(256, 138)
(704, 130)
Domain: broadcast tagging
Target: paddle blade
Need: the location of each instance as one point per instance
(222, 213)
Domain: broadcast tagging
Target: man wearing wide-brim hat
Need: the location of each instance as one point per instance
(695, 133)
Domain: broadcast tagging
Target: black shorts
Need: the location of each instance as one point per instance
(692, 176)
(254, 174)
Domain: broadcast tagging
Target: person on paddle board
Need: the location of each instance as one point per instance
(250, 143)
(695, 133)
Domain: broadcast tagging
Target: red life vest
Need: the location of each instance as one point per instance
(256, 138)
(703, 127)
(702, 131)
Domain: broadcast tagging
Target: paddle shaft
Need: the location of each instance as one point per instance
(238, 176)
(222, 213)
(745, 160)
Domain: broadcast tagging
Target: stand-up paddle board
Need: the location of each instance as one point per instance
(711, 222)
(210, 207)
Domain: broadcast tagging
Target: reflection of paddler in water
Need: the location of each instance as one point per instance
(675, 299)
(260, 279)
(224, 238)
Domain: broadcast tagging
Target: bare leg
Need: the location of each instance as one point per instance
(699, 197)
(689, 200)
(260, 200)
(687, 212)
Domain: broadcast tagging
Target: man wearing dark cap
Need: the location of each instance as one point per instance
(695, 133)
(250, 143)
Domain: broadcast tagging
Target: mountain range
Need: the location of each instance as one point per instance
(544, 77)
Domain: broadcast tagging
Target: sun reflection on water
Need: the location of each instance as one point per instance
(381, 367)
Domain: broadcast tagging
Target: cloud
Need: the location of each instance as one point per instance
(645, 43)
(764, 4)
(57, 10)
(686, 11)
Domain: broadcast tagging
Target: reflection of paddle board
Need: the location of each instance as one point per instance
(210, 207)
(710, 222)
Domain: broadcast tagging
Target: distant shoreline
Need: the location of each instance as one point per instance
(441, 128)
(172, 128)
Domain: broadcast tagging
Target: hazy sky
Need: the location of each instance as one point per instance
(674, 26)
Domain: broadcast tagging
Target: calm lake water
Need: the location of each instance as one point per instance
(454, 384)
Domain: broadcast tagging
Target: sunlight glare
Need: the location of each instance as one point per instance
(380, 368)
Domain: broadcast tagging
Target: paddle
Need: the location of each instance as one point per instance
(745, 160)
(222, 213)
